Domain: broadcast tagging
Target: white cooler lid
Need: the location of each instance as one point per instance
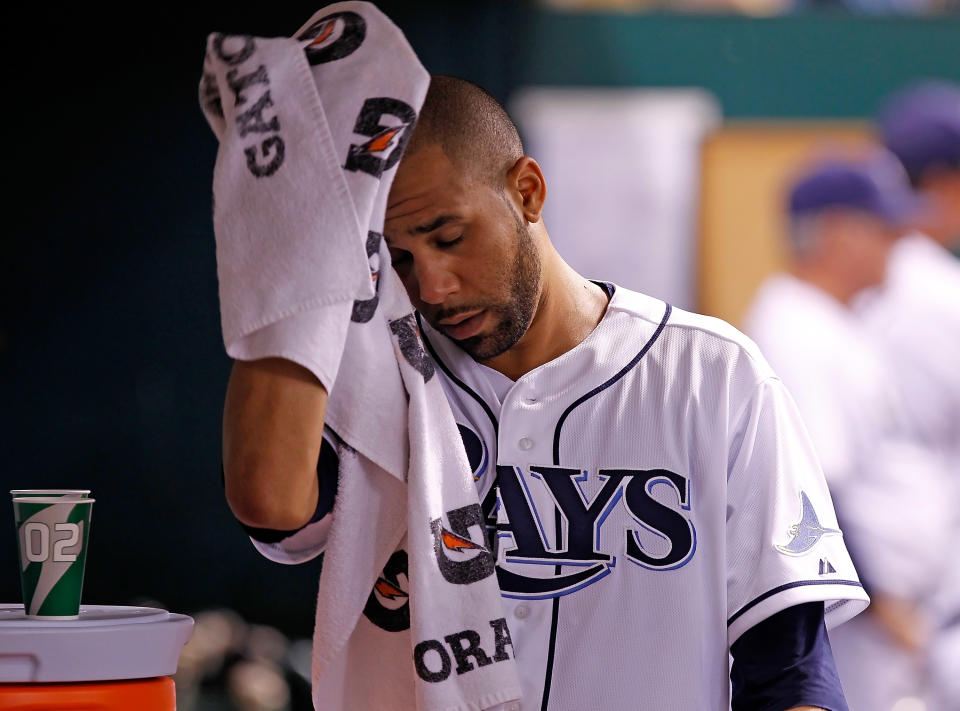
(107, 642)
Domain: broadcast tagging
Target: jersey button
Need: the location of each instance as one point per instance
(512, 706)
(525, 443)
(521, 611)
(530, 400)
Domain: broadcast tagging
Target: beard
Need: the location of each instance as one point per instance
(513, 316)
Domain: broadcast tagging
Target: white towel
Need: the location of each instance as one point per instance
(311, 129)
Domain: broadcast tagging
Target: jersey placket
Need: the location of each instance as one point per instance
(525, 440)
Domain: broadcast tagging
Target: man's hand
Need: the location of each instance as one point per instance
(902, 619)
(272, 432)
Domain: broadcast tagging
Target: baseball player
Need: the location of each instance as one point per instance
(845, 216)
(650, 493)
(921, 125)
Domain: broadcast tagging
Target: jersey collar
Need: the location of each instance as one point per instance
(629, 325)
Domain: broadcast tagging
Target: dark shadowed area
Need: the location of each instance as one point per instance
(112, 369)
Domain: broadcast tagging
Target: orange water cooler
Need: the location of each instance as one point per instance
(110, 659)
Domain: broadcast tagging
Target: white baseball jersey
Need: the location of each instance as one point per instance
(650, 494)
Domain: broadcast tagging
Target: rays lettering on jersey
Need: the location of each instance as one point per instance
(578, 537)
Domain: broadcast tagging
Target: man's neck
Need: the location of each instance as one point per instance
(833, 284)
(568, 310)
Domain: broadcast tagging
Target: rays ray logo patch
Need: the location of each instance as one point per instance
(807, 532)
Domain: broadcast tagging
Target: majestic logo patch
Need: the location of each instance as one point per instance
(664, 537)
(371, 156)
(363, 311)
(461, 559)
(388, 606)
(476, 451)
(826, 567)
(334, 37)
(807, 532)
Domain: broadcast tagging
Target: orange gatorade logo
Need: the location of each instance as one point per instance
(334, 36)
(388, 590)
(326, 29)
(388, 606)
(387, 124)
(382, 141)
(461, 559)
(458, 543)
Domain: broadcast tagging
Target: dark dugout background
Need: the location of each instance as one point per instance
(112, 370)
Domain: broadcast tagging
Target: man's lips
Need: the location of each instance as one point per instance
(458, 318)
(463, 325)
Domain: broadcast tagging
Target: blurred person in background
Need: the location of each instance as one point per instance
(845, 217)
(915, 318)
(921, 126)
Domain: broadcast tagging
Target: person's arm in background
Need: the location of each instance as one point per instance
(272, 432)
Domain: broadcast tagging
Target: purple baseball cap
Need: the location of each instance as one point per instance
(921, 125)
(876, 185)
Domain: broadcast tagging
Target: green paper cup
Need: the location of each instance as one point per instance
(52, 533)
(73, 493)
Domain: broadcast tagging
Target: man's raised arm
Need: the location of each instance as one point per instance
(272, 432)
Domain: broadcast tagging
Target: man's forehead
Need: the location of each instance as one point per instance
(416, 222)
(427, 173)
(405, 211)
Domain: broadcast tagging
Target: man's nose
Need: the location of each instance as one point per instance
(435, 281)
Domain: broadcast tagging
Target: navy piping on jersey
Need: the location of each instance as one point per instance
(600, 388)
(554, 623)
(556, 461)
(456, 381)
(787, 586)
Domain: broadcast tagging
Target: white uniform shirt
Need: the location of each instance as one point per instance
(915, 318)
(886, 486)
(657, 496)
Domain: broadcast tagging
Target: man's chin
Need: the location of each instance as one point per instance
(485, 346)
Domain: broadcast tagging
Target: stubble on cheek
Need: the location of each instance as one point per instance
(513, 316)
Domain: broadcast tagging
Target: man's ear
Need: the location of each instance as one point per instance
(527, 186)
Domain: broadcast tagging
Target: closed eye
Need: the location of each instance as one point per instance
(449, 243)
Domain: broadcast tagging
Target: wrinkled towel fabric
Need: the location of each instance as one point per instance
(311, 129)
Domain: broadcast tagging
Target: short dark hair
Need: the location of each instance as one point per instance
(470, 126)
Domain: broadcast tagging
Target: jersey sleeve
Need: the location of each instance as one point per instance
(784, 546)
(309, 541)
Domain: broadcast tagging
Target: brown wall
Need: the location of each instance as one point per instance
(746, 170)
